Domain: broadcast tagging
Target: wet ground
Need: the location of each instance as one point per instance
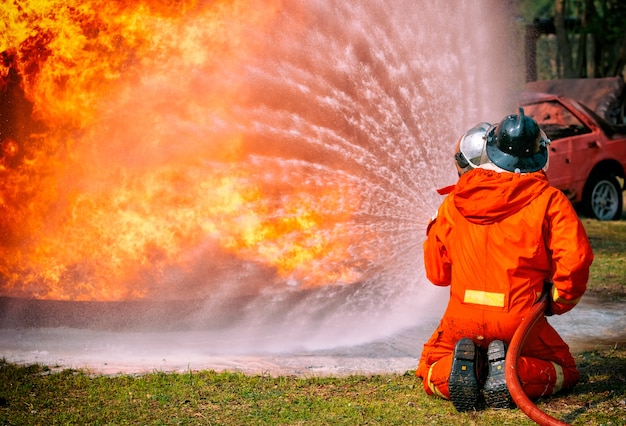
(590, 325)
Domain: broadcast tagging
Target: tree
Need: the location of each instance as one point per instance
(564, 50)
(590, 35)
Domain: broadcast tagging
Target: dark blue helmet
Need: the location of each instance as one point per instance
(517, 144)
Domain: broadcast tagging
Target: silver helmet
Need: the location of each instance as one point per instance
(469, 148)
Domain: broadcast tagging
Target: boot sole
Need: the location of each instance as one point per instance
(495, 391)
(462, 384)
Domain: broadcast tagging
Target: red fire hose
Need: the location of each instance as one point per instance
(512, 381)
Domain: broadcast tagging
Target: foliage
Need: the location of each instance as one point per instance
(581, 38)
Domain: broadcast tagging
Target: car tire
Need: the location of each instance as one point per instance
(602, 198)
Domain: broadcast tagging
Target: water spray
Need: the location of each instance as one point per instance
(235, 159)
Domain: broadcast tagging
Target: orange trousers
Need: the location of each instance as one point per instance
(545, 365)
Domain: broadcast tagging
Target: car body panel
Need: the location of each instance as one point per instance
(581, 141)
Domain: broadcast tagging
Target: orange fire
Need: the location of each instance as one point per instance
(116, 165)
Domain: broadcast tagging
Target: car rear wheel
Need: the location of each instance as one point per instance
(603, 198)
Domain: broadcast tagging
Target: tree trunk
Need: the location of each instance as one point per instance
(620, 60)
(563, 44)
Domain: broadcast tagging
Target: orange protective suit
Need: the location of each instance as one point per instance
(496, 239)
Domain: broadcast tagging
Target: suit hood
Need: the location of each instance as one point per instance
(485, 196)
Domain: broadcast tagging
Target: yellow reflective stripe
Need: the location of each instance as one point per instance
(486, 298)
(432, 387)
(559, 378)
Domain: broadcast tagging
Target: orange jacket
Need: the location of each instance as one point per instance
(496, 239)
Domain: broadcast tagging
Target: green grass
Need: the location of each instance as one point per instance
(40, 395)
(607, 277)
(36, 395)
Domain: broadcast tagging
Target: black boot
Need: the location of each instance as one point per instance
(463, 382)
(495, 390)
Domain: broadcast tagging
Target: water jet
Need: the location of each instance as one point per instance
(232, 181)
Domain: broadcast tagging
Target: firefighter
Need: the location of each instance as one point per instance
(469, 148)
(468, 152)
(500, 235)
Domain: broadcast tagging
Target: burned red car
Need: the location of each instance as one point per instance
(587, 153)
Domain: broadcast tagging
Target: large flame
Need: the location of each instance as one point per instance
(119, 162)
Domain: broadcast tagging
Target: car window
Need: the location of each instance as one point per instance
(556, 120)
